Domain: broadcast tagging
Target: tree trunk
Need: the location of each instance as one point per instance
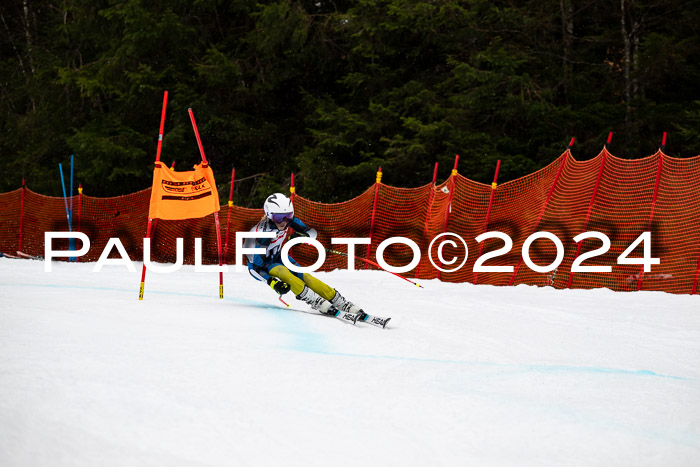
(567, 33)
(30, 45)
(28, 36)
(22, 66)
(636, 91)
(627, 60)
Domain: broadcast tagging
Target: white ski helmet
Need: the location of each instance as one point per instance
(279, 208)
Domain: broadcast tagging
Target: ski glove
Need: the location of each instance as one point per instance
(278, 286)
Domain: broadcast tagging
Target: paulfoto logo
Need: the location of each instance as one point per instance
(435, 253)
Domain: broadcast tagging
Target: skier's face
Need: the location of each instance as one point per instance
(281, 221)
(283, 225)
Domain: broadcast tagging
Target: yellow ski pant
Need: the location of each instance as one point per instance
(297, 285)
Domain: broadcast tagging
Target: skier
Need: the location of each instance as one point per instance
(278, 219)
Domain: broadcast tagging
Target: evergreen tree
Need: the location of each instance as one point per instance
(332, 90)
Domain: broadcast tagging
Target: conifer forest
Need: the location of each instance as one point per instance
(333, 89)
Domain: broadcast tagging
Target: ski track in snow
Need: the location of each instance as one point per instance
(463, 375)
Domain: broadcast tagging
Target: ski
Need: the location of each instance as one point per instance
(360, 317)
(21, 254)
(346, 316)
(373, 320)
(5, 255)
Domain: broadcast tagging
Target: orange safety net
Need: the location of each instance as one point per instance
(349, 219)
(619, 198)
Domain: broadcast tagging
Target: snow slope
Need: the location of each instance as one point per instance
(463, 375)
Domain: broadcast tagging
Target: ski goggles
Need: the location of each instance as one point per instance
(280, 218)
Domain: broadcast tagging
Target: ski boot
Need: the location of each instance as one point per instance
(322, 305)
(343, 304)
(316, 302)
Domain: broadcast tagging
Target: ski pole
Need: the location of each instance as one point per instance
(285, 303)
(375, 264)
(279, 295)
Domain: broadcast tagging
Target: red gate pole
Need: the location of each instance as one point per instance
(230, 206)
(155, 221)
(218, 246)
(374, 213)
(80, 208)
(216, 213)
(544, 206)
(150, 221)
(453, 175)
(21, 215)
(427, 216)
(488, 213)
(653, 206)
(697, 273)
(590, 207)
(292, 189)
(80, 203)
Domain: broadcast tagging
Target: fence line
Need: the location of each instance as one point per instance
(620, 198)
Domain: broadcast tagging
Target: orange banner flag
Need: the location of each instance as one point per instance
(183, 195)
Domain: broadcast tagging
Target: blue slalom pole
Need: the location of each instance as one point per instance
(65, 198)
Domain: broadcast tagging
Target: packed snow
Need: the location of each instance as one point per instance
(463, 374)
